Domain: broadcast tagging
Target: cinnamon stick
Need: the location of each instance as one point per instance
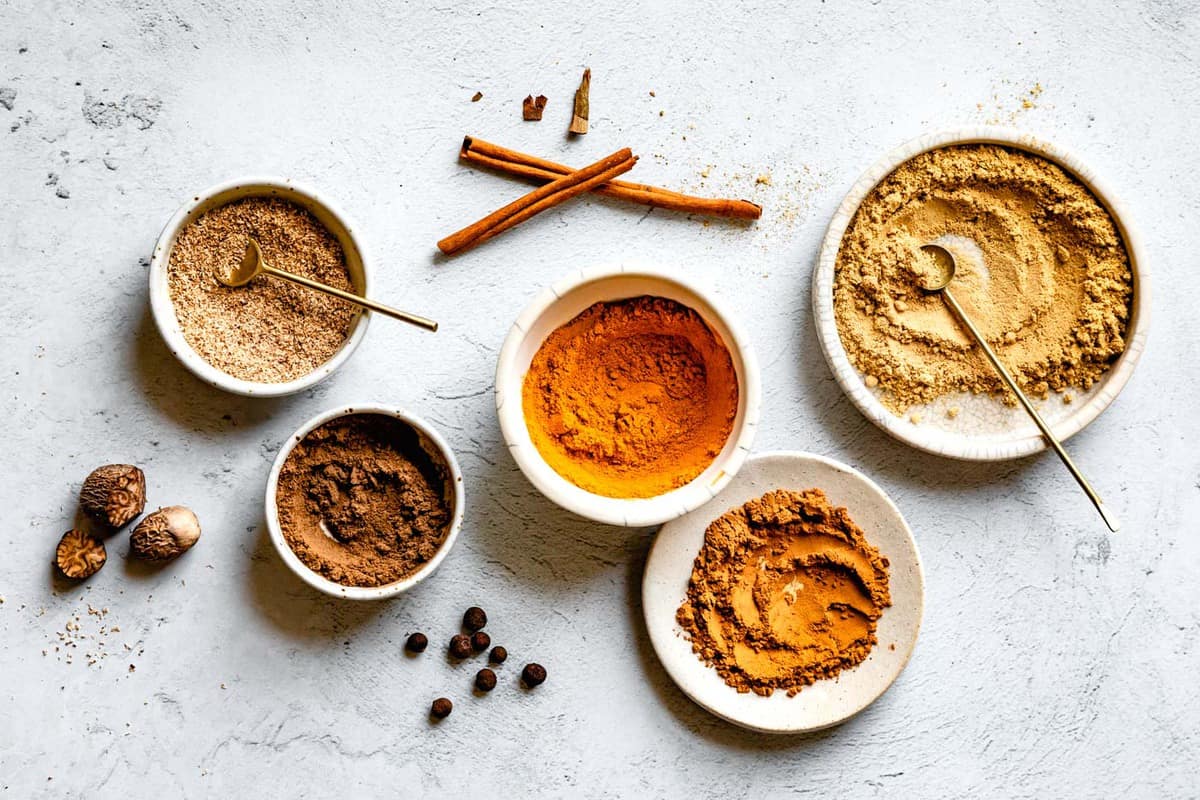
(579, 115)
(485, 154)
(559, 190)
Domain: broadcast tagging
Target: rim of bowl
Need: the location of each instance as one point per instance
(163, 310)
(628, 512)
(941, 442)
(320, 582)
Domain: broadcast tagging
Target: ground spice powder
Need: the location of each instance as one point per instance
(270, 331)
(1042, 271)
(786, 591)
(361, 501)
(631, 398)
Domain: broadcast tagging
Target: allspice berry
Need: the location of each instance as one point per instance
(480, 641)
(474, 619)
(417, 643)
(441, 708)
(114, 494)
(485, 680)
(533, 675)
(79, 555)
(460, 646)
(165, 534)
(499, 655)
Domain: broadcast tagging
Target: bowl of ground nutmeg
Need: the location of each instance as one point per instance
(364, 502)
(1049, 268)
(626, 395)
(271, 337)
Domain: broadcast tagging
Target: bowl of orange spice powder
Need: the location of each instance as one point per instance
(626, 395)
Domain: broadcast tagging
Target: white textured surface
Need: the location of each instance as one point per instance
(1054, 659)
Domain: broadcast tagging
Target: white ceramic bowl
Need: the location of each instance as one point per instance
(563, 301)
(431, 442)
(826, 702)
(357, 264)
(985, 429)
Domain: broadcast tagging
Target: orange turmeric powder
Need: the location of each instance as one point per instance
(631, 398)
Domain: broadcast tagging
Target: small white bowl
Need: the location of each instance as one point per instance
(163, 309)
(563, 301)
(986, 430)
(431, 442)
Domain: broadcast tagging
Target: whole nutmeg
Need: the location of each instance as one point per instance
(441, 708)
(417, 643)
(533, 675)
(165, 534)
(480, 641)
(499, 655)
(79, 555)
(460, 646)
(474, 619)
(485, 680)
(114, 494)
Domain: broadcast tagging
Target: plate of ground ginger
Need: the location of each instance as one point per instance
(1049, 269)
(789, 603)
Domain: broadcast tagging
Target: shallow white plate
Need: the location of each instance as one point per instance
(984, 429)
(824, 703)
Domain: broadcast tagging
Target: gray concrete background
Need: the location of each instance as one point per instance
(1055, 660)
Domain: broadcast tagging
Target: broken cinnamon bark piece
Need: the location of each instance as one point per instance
(532, 108)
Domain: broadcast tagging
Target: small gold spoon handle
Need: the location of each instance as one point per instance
(395, 313)
(1109, 518)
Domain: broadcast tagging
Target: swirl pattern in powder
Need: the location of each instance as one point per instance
(1042, 271)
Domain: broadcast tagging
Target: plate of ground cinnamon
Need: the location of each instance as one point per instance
(626, 396)
(271, 337)
(364, 502)
(789, 603)
(1053, 271)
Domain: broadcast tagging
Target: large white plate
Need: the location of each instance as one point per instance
(824, 703)
(984, 429)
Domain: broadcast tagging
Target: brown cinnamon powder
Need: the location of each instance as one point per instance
(270, 331)
(362, 502)
(786, 591)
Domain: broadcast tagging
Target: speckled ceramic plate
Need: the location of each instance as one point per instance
(983, 429)
(824, 703)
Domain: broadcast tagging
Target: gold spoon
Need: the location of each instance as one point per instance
(253, 264)
(939, 281)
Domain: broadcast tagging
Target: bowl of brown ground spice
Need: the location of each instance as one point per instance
(270, 338)
(364, 502)
(626, 395)
(1049, 268)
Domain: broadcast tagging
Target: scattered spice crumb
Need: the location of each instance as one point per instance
(652, 94)
(475, 98)
(953, 411)
(1068, 398)
(763, 180)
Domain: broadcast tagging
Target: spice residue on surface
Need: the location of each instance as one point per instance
(1042, 271)
(631, 398)
(786, 591)
(270, 331)
(361, 501)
